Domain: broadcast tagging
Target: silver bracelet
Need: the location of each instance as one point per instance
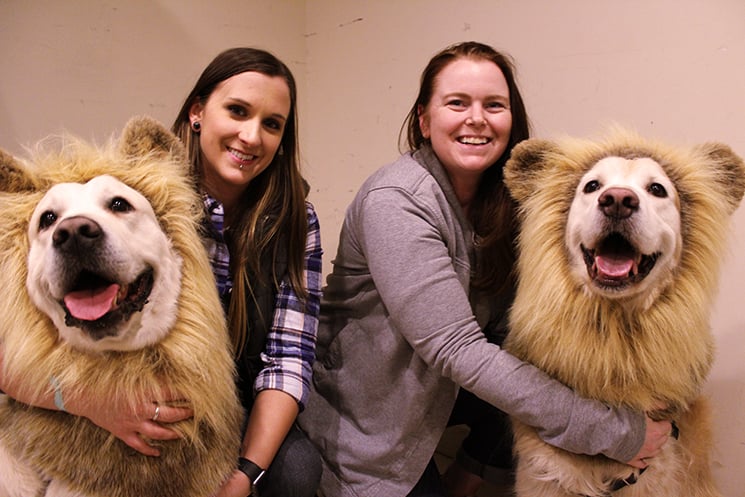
(58, 402)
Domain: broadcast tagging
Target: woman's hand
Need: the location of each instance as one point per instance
(131, 424)
(134, 424)
(656, 436)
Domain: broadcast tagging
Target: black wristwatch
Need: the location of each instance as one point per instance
(250, 469)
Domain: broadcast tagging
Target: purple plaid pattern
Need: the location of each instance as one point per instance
(291, 342)
(215, 245)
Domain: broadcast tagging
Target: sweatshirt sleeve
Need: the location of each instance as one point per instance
(564, 419)
(405, 239)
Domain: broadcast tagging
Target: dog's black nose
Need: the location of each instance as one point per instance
(618, 203)
(76, 233)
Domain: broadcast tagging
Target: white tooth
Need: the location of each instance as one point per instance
(241, 155)
(472, 140)
(119, 296)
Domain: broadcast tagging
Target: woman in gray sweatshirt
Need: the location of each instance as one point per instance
(423, 270)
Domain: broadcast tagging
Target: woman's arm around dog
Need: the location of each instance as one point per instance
(132, 424)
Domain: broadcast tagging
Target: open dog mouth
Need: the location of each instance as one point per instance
(615, 262)
(97, 304)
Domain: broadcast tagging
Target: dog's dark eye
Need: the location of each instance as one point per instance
(591, 186)
(657, 190)
(118, 204)
(46, 220)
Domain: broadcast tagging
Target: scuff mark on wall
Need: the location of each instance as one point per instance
(345, 24)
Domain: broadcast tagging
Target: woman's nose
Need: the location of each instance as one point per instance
(476, 117)
(250, 132)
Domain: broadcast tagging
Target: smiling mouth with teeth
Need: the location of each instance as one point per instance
(97, 305)
(473, 140)
(615, 262)
(240, 155)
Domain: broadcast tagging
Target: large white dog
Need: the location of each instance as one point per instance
(623, 232)
(107, 289)
(101, 266)
(619, 250)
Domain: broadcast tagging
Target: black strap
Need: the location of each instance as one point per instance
(625, 482)
(251, 469)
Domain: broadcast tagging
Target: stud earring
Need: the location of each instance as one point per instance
(196, 126)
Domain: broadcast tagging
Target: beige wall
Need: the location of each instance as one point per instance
(88, 65)
(673, 69)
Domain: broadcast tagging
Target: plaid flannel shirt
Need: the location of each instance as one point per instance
(291, 341)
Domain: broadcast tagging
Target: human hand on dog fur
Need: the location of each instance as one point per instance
(131, 424)
(134, 424)
(164, 314)
(657, 433)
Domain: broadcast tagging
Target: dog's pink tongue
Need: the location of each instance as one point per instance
(614, 267)
(90, 305)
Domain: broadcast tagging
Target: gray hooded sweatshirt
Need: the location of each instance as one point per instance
(398, 336)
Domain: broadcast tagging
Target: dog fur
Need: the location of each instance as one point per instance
(176, 341)
(641, 342)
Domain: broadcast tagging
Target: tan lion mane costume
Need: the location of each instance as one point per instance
(194, 359)
(623, 354)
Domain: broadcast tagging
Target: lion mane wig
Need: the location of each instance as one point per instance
(194, 359)
(622, 353)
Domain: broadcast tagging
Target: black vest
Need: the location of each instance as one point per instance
(260, 313)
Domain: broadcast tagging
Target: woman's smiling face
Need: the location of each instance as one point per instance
(241, 127)
(468, 119)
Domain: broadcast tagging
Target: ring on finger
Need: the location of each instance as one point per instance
(156, 414)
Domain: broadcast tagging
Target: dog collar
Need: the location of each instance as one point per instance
(625, 482)
(616, 485)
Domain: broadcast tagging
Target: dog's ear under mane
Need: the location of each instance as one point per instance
(14, 178)
(730, 170)
(523, 171)
(143, 136)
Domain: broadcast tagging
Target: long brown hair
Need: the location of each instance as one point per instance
(492, 212)
(276, 195)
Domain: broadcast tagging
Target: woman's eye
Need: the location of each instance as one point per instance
(237, 110)
(495, 106)
(273, 125)
(456, 103)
